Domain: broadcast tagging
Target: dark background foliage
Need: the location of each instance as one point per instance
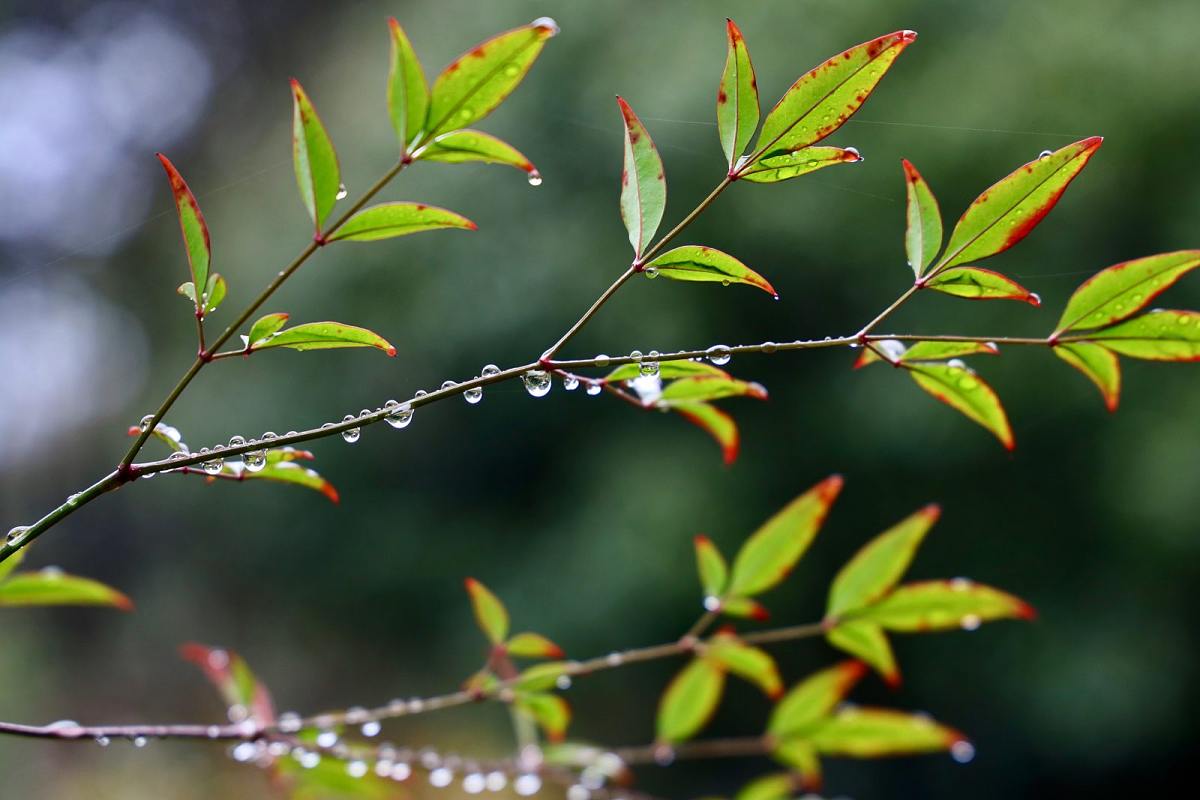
(579, 511)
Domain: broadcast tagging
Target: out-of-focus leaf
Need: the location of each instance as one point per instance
(188, 289)
(11, 563)
(711, 566)
(1012, 207)
(643, 183)
(293, 473)
(974, 283)
(748, 663)
(868, 642)
(324, 336)
(923, 227)
(821, 101)
(776, 786)
(232, 677)
(481, 683)
(460, 147)
(407, 95)
(52, 587)
(699, 388)
(1118, 292)
(214, 293)
(289, 453)
(737, 97)
(532, 645)
(479, 80)
(813, 698)
(783, 165)
(1155, 336)
(316, 164)
(549, 711)
(944, 605)
(940, 351)
(698, 263)
(880, 564)
(689, 700)
(802, 757)
(191, 223)
(490, 613)
(541, 677)
(667, 370)
(744, 607)
(963, 390)
(388, 220)
(719, 425)
(770, 553)
(877, 732)
(166, 434)
(1099, 365)
(266, 326)
(330, 778)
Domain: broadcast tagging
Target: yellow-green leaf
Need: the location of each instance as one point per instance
(266, 326)
(1156, 336)
(940, 351)
(748, 663)
(407, 94)
(923, 226)
(281, 471)
(737, 97)
(460, 147)
(643, 183)
(961, 389)
(700, 388)
(52, 587)
(716, 423)
(944, 605)
(814, 698)
(974, 283)
(783, 165)
(1118, 292)
(549, 711)
(314, 159)
(878, 732)
(490, 613)
(214, 293)
(541, 677)
(711, 566)
(191, 224)
(802, 757)
(1098, 364)
(776, 786)
(388, 220)
(667, 370)
(880, 564)
(868, 642)
(698, 263)
(324, 336)
(532, 645)
(689, 700)
(744, 607)
(12, 562)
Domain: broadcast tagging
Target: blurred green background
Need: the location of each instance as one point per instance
(579, 511)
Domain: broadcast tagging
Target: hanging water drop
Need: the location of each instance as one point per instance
(473, 395)
(650, 272)
(441, 777)
(527, 785)
(971, 622)
(473, 783)
(578, 792)
(351, 435)
(649, 368)
(139, 741)
(769, 347)
(327, 738)
(215, 464)
(535, 178)
(371, 728)
(144, 424)
(496, 781)
(537, 382)
(399, 415)
(594, 388)
(962, 751)
(254, 460)
(341, 192)
(570, 382)
(102, 741)
(356, 768)
(546, 24)
(718, 354)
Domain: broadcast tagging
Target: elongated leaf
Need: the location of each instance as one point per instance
(877, 732)
(549, 711)
(737, 97)
(52, 587)
(490, 613)
(541, 677)
(699, 388)
(388, 220)
(689, 700)
(266, 326)
(711, 565)
(1011, 208)
(214, 293)
(479, 80)
(643, 183)
(821, 101)
(325, 336)
(974, 283)
(879, 565)
(191, 224)
(716, 423)
(944, 605)
(782, 165)
(407, 94)
(232, 677)
(777, 786)
(868, 642)
(293, 473)
(1120, 291)
(744, 607)
(749, 663)
(698, 263)
(814, 698)
(666, 370)
(1156, 336)
(802, 757)
(940, 351)
(961, 389)
(532, 645)
(316, 164)
(1098, 364)
(460, 147)
(770, 553)
(923, 226)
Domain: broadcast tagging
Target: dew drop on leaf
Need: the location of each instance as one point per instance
(650, 272)
(971, 622)
(547, 24)
(1042, 156)
(535, 178)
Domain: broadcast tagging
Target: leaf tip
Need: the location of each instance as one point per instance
(391, 351)
(931, 512)
(121, 601)
(828, 489)
(1026, 612)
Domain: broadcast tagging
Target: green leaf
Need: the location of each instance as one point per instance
(923, 225)
(315, 161)
(737, 97)
(1007, 211)
(716, 423)
(549, 711)
(388, 220)
(490, 613)
(1098, 364)
(802, 757)
(773, 550)
(783, 165)
(961, 389)
(698, 263)
(293, 473)
(868, 642)
(460, 147)
(166, 434)
(744, 607)
(880, 564)
(666, 370)
(188, 290)
(232, 677)
(478, 81)
(814, 698)
(532, 645)
(52, 587)
(192, 225)
(974, 283)
(324, 336)
(711, 566)
(877, 732)
(266, 326)
(214, 293)
(699, 388)
(407, 94)
(643, 183)
(1118, 292)
(940, 351)
(776, 786)
(689, 700)
(541, 677)
(749, 663)
(329, 778)
(821, 101)
(1155, 336)
(944, 605)
(11, 563)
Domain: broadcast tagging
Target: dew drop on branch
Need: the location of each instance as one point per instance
(16, 535)
(527, 784)
(489, 371)
(441, 777)
(341, 192)
(649, 368)
(601, 360)
(570, 382)
(144, 424)
(351, 435)
(254, 460)
(594, 388)
(398, 415)
(718, 354)
(537, 382)
(473, 783)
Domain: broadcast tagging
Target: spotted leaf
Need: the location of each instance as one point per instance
(943, 605)
(923, 221)
(974, 283)
(1098, 364)
(388, 220)
(737, 97)
(877, 732)
(643, 183)
(407, 94)
(314, 159)
(697, 263)
(964, 391)
(1155, 336)
(1120, 291)
(782, 165)
(460, 147)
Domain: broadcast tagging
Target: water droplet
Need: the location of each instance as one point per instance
(213, 731)
(562, 682)
(712, 603)
(527, 785)
(341, 192)
(636, 356)
(1042, 156)
(420, 393)
(725, 282)
(854, 152)
(398, 415)
(327, 738)
(570, 382)
(614, 659)
(356, 768)
(956, 363)
(474, 783)
(243, 752)
(268, 437)
(309, 759)
(971, 622)
(144, 424)
(578, 792)
(649, 368)
(214, 465)
(254, 460)
(16, 535)
(371, 728)
(473, 395)
(496, 781)
(139, 741)
(401, 771)
(547, 24)
(448, 385)
(769, 347)
(537, 382)
(650, 272)
(351, 435)
(441, 777)
(535, 178)
(102, 741)
(962, 751)
(718, 354)
(664, 755)
(491, 370)
(594, 389)
(62, 725)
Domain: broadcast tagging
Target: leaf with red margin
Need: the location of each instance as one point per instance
(880, 564)
(699, 388)
(940, 351)
(974, 283)
(1012, 207)
(773, 550)
(877, 732)
(944, 605)
(230, 674)
(52, 587)
(287, 471)
(737, 97)
(1120, 291)
(532, 645)
(389, 220)
(541, 677)
(324, 336)
(667, 370)
(314, 159)
(719, 425)
(193, 227)
(711, 566)
(407, 93)
(689, 700)
(549, 711)
(783, 165)
(1155, 336)
(744, 607)
(461, 147)
(266, 326)
(643, 182)
(699, 263)
(749, 663)
(802, 757)
(776, 786)
(490, 613)
(821, 101)
(1098, 364)
(964, 391)
(868, 642)
(923, 227)
(813, 698)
